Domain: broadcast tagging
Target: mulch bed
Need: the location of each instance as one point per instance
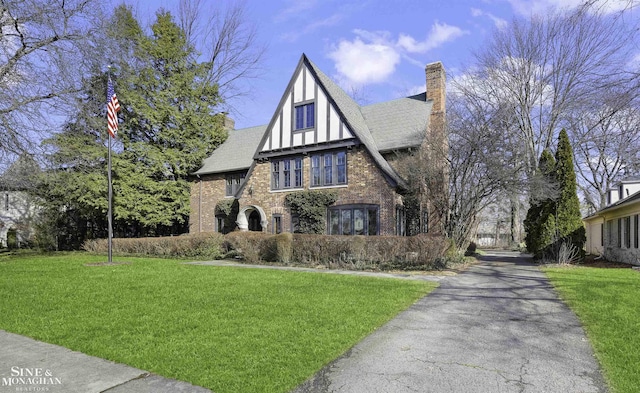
(591, 261)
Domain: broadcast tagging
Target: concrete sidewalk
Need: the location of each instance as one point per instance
(497, 327)
(27, 365)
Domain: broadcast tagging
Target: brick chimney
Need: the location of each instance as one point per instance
(436, 92)
(437, 148)
(228, 123)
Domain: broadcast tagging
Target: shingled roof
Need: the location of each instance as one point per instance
(396, 124)
(235, 154)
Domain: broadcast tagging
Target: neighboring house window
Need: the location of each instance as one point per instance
(619, 242)
(286, 173)
(305, 116)
(329, 169)
(610, 233)
(627, 232)
(233, 183)
(277, 224)
(354, 220)
(602, 234)
(635, 228)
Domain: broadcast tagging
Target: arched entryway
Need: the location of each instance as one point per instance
(252, 218)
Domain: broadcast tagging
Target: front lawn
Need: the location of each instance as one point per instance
(227, 329)
(607, 301)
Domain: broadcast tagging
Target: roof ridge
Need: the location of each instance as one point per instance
(411, 97)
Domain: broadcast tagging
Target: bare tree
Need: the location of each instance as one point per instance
(484, 161)
(606, 144)
(227, 40)
(535, 75)
(543, 68)
(41, 64)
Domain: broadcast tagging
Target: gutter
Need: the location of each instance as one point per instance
(199, 204)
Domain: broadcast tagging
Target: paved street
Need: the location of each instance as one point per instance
(498, 327)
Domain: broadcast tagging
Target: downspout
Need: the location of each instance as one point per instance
(199, 205)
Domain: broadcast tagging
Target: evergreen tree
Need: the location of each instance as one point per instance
(568, 217)
(540, 221)
(555, 218)
(74, 190)
(169, 128)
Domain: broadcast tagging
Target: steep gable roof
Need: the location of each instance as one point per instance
(287, 131)
(235, 154)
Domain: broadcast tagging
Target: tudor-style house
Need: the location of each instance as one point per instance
(319, 138)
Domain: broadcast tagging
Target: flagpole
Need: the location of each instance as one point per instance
(110, 219)
(110, 213)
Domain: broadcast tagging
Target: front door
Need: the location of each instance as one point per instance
(254, 222)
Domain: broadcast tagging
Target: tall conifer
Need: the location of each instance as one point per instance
(568, 217)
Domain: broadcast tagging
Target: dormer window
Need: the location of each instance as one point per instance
(305, 116)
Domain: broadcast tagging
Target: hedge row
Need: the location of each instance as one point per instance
(201, 245)
(423, 252)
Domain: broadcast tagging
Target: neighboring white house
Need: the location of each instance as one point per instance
(16, 215)
(18, 209)
(614, 232)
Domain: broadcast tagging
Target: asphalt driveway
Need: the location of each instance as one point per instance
(498, 327)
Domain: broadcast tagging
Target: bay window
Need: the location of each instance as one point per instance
(354, 220)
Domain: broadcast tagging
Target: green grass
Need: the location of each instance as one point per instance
(227, 329)
(607, 301)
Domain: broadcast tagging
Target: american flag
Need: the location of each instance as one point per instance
(113, 107)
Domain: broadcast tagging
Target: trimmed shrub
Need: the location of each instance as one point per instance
(202, 246)
(252, 247)
(368, 252)
(422, 252)
(284, 248)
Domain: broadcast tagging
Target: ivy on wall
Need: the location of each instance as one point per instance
(311, 208)
(230, 209)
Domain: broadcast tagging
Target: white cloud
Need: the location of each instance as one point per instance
(361, 62)
(497, 21)
(440, 33)
(326, 22)
(295, 8)
(330, 21)
(372, 56)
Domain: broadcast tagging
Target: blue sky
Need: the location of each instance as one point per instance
(377, 48)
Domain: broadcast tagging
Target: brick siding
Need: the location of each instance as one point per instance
(366, 185)
(203, 206)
